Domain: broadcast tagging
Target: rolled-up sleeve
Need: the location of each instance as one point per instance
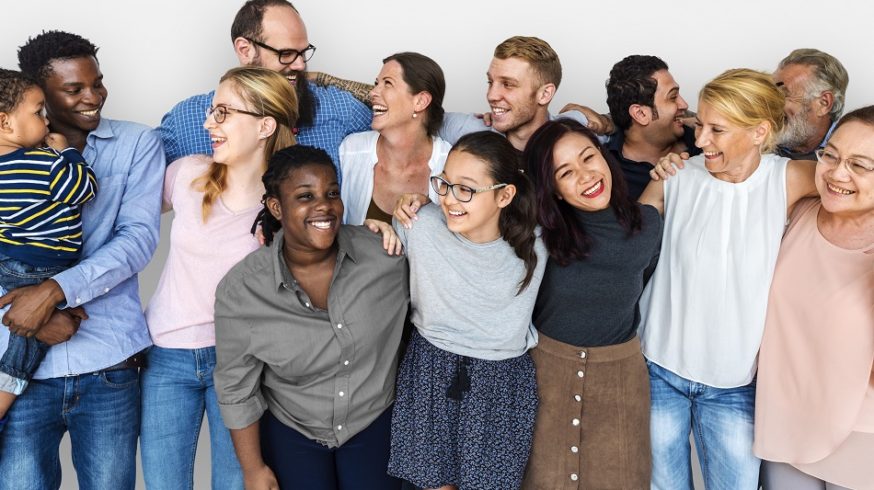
(237, 372)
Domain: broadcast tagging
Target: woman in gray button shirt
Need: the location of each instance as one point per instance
(307, 337)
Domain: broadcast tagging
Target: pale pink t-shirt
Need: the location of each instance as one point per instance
(180, 314)
(815, 390)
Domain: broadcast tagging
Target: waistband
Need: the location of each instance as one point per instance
(607, 353)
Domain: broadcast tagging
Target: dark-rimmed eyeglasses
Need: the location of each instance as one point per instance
(287, 56)
(461, 192)
(862, 168)
(220, 113)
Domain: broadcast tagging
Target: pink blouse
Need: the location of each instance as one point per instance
(180, 314)
(815, 385)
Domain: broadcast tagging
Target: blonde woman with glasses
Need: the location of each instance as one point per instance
(215, 200)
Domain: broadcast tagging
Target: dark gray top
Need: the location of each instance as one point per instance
(326, 374)
(593, 302)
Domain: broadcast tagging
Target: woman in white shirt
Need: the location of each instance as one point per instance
(703, 311)
(402, 152)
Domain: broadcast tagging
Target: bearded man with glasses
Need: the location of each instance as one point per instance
(271, 34)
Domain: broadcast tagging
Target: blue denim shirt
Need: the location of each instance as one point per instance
(338, 114)
(121, 233)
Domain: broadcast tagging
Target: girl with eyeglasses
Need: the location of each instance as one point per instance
(466, 393)
(215, 201)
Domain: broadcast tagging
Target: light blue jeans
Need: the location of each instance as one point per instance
(101, 411)
(177, 390)
(720, 419)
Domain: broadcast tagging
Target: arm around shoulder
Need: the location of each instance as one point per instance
(800, 181)
(654, 195)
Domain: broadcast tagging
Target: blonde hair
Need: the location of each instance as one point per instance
(748, 98)
(268, 93)
(537, 52)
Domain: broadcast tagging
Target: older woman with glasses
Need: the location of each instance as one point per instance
(815, 393)
(402, 151)
(215, 201)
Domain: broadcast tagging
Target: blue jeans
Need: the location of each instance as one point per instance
(177, 389)
(721, 420)
(23, 355)
(101, 411)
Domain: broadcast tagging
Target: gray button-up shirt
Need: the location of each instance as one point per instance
(326, 374)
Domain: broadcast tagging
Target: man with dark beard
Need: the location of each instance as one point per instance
(815, 84)
(271, 34)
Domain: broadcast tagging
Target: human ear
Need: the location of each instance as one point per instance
(244, 50)
(267, 128)
(274, 207)
(421, 101)
(545, 94)
(760, 132)
(824, 103)
(5, 125)
(640, 113)
(506, 195)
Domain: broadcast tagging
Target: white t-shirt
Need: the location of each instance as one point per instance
(357, 158)
(703, 311)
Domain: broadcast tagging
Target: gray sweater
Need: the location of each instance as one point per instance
(463, 294)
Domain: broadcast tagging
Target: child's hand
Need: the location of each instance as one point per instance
(61, 327)
(390, 241)
(57, 141)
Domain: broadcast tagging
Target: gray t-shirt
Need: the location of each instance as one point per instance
(463, 294)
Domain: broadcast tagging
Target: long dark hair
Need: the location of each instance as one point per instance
(281, 164)
(563, 234)
(517, 220)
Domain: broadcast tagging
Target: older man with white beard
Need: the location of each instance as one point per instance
(815, 84)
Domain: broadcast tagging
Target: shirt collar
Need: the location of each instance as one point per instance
(828, 135)
(281, 274)
(103, 130)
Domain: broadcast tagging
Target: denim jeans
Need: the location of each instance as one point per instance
(101, 411)
(23, 354)
(720, 419)
(177, 389)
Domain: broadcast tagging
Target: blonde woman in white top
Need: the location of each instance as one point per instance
(703, 311)
(402, 152)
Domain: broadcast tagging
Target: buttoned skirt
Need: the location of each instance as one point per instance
(592, 426)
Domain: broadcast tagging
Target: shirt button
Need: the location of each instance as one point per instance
(105, 290)
(78, 301)
(574, 477)
(575, 449)
(339, 325)
(578, 398)
(308, 305)
(576, 422)
(582, 354)
(339, 427)
(341, 393)
(580, 374)
(345, 363)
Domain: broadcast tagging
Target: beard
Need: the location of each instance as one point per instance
(306, 102)
(797, 131)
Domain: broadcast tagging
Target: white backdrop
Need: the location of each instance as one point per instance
(154, 53)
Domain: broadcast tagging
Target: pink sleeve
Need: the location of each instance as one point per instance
(173, 171)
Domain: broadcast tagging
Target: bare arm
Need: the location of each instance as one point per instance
(800, 182)
(359, 90)
(654, 195)
(247, 444)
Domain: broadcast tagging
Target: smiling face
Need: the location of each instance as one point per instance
(26, 126)
(512, 94)
(731, 152)
(476, 220)
(393, 104)
(801, 111)
(846, 193)
(75, 94)
(581, 174)
(670, 106)
(239, 137)
(309, 208)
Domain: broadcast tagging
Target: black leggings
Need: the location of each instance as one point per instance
(300, 463)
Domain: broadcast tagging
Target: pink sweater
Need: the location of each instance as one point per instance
(180, 314)
(815, 387)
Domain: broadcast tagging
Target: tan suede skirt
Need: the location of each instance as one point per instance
(592, 426)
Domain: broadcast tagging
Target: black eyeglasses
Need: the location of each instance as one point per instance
(220, 113)
(461, 192)
(288, 56)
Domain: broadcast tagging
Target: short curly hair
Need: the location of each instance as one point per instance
(37, 54)
(13, 85)
(631, 82)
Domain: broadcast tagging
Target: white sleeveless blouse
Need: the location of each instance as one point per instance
(703, 311)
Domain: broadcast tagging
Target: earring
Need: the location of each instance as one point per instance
(415, 115)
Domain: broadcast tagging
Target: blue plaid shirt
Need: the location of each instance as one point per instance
(338, 114)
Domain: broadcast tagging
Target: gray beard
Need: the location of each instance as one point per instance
(796, 132)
